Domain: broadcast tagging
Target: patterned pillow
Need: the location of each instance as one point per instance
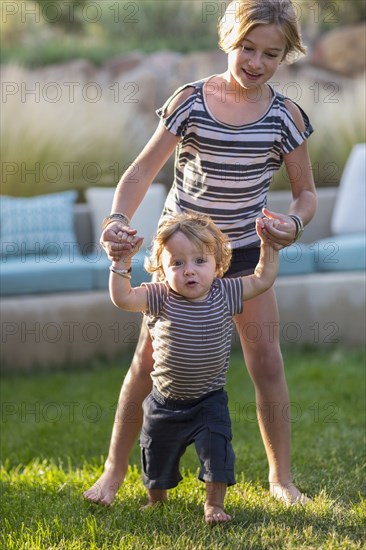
(30, 225)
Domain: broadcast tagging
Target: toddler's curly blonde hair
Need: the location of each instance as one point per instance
(201, 231)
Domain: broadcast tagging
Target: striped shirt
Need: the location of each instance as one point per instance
(192, 340)
(225, 171)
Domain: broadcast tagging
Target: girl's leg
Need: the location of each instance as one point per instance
(258, 328)
(127, 423)
(214, 505)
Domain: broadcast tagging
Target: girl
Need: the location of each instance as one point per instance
(231, 132)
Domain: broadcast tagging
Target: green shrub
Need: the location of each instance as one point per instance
(107, 29)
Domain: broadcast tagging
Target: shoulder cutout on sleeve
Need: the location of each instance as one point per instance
(296, 115)
(178, 100)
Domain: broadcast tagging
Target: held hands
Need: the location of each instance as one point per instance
(267, 268)
(277, 230)
(263, 227)
(120, 241)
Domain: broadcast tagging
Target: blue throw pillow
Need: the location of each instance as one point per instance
(34, 225)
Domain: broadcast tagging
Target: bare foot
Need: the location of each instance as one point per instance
(215, 515)
(156, 497)
(104, 490)
(151, 505)
(289, 494)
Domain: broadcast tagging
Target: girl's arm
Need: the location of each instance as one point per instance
(132, 188)
(135, 182)
(120, 290)
(304, 201)
(265, 273)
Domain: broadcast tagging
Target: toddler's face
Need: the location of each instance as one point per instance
(189, 270)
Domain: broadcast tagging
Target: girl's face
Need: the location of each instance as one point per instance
(255, 61)
(189, 270)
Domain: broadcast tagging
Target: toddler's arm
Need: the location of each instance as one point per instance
(120, 290)
(265, 273)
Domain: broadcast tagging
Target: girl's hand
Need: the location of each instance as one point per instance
(279, 234)
(120, 241)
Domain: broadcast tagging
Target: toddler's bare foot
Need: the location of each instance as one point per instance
(151, 505)
(157, 497)
(105, 488)
(289, 494)
(215, 515)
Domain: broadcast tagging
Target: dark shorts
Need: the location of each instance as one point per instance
(171, 425)
(243, 262)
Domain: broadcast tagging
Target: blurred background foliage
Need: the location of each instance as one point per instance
(48, 31)
(98, 30)
(48, 146)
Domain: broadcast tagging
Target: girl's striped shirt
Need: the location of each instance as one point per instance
(225, 171)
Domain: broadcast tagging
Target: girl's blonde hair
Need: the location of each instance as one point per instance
(200, 230)
(242, 16)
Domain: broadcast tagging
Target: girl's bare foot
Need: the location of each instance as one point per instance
(105, 488)
(215, 515)
(289, 494)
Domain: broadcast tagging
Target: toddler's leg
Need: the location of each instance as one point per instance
(214, 505)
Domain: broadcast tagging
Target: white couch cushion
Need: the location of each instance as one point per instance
(349, 214)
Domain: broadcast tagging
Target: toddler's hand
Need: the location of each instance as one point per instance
(284, 233)
(119, 241)
(135, 242)
(263, 227)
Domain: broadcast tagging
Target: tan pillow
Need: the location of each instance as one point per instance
(145, 219)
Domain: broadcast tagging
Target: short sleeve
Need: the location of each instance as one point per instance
(232, 288)
(177, 121)
(292, 137)
(156, 296)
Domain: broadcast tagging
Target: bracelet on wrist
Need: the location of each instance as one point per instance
(116, 217)
(126, 273)
(299, 226)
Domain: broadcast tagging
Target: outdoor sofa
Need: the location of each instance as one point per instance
(55, 306)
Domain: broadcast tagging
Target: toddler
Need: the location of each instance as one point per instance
(189, 314)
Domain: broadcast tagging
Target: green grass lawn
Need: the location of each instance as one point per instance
(55, 435)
